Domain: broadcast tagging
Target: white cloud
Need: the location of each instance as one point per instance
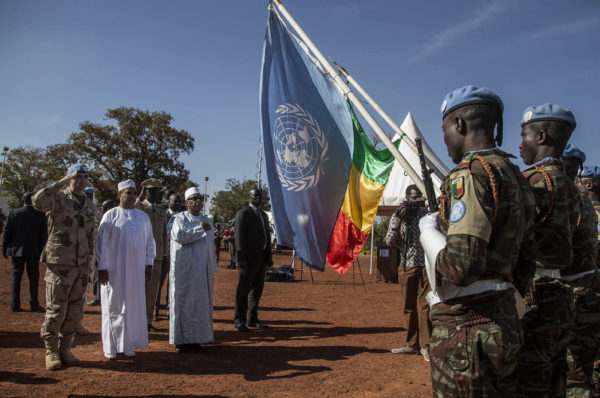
(569, 27)
(451, 33)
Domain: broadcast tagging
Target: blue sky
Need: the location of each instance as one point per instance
(63, 62)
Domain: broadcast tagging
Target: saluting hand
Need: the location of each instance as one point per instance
(68, 177)
(205, 226)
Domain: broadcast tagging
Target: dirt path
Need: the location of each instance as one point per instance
(324, 341)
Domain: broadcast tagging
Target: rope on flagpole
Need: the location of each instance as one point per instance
(348, 93)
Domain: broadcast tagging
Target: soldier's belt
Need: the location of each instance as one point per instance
(551, 273)
(449, 291)
(571, 278)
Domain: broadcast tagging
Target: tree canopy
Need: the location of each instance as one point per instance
(139, 145)
(225, 204)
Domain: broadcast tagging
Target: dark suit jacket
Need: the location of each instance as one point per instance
(25, 233)
(250, 238)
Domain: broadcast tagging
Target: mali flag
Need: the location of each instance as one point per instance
(368, 176)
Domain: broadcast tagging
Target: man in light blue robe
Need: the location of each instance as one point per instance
(193, 265)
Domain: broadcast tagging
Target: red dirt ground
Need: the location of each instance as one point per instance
(324, 341)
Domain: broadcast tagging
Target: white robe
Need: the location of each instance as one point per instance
(193, 263)
(124, 246)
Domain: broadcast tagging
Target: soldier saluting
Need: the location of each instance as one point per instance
(70, 242)
(485, 249)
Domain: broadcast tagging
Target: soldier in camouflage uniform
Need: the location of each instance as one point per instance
(550, 309)
(588, 184)
(583, 277)
(67, 253)
(486, 215)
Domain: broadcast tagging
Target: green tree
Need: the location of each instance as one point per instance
(380, 229)
(141, 144)
(225, 204)
(25, 171)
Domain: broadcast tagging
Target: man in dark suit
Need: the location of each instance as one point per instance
(252, 242)
(24, 239)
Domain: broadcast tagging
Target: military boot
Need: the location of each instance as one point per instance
(66, 355)
(52, 359)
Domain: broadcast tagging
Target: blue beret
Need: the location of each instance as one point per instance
(591, 171)
(89, 190)
(80, 168)
(571, 151)
(551, 112)
(469, 95)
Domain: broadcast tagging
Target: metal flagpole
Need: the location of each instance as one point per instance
(405, 138)
(347, 92)
(205, 184)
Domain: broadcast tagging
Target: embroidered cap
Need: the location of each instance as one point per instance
(192, 191)
(126, 184)
(549, 112)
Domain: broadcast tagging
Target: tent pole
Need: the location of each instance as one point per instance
(348, 93)
(371, 265)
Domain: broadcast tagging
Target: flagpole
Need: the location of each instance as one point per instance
(440, 173)
(347, 92)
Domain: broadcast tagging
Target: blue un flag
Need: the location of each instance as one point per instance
(308, 141)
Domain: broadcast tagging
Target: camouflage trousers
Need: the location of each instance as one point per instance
(66, 286)
(547, 327)
(583, 355)
(475, 346)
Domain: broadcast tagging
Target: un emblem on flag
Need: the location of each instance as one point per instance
(300, 148)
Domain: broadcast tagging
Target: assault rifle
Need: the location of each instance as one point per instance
(426, 175)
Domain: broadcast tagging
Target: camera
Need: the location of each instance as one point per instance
(409, 210)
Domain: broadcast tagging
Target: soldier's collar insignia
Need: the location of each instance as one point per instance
(458, 187)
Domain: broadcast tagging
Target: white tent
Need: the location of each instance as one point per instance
(398, 182)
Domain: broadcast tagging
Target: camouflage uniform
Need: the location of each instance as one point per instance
(158, 219)
(67, 252)
(476, 338)
(585, 281)
(550, 309)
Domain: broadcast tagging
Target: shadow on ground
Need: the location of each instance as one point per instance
(267, 362)
(25, 378)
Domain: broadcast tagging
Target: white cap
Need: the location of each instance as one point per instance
(191, 191)
(126, 184)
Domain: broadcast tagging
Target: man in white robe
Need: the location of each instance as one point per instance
(125, 251)
(193, 264)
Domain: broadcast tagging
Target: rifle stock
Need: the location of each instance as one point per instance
(427, 181)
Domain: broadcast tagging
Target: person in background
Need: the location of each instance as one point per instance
(174, 207)
(253, 254)
(24, 238)
(95, 301)
(403, 233)
(81, 330)
(148, 203)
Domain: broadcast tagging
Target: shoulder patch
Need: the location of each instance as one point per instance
(458, 211)
(458, 187)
